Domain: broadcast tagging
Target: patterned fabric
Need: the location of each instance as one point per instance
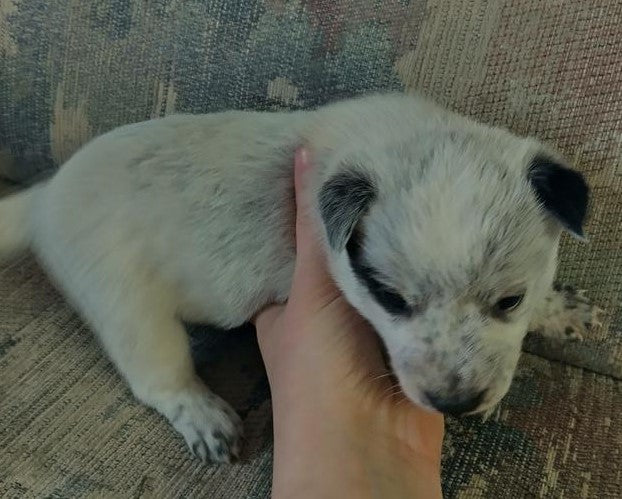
(70, 70)
(70, 428)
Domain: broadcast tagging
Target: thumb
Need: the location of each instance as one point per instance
(306, 240)
(310, 269)
(264, 320)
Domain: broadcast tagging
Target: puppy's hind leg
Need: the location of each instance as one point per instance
(134, 314)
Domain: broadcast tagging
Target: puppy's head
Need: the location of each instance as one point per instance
(446, 243)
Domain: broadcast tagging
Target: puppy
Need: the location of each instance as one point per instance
(442, 232)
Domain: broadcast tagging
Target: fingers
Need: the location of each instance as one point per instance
(306, 239)
(311, 282)
(266, 317)
(310, 276)
(310, 273)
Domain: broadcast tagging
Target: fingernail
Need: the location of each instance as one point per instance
(303, 156)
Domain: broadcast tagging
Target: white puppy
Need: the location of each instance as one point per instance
(442, 232)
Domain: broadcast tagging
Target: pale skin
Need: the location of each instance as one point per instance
(341, 426)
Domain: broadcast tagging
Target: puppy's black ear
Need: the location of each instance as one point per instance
(343, 199)
(562, 192)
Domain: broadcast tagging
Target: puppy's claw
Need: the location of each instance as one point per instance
(199, 449)
(209, 425)
(597, 312)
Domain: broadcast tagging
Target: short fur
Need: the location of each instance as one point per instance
(192, 217)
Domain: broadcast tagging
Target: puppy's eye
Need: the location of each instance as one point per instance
(509, 303)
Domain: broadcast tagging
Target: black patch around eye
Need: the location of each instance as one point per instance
(388, 298)
(509, 303)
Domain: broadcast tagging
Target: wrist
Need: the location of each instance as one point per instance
(361, 451)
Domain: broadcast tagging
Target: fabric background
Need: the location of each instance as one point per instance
(70, 70)
(70, 428)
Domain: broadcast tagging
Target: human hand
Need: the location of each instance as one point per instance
(337, 408)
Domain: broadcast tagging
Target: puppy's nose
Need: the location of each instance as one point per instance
(456, 405)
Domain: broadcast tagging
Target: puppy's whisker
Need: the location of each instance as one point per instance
(380, 376)
(402, 400)
(390, 388)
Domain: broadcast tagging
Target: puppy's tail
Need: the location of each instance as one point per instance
(15, 224)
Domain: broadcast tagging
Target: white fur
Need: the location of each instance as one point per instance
(192, 217)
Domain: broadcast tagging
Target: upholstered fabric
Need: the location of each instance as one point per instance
(70, 70)
(70, 428)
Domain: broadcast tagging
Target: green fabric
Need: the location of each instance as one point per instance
(70, 70)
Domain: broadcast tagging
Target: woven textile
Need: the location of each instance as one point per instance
(70, 428)
(70, 70)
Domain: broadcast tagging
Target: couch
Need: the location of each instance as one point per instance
(71, 69)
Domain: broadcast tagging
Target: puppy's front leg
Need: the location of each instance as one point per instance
(154, 357)
(565, 313)
(134, 314)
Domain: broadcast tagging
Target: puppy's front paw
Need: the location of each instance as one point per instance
(211, 428)
(567, 314)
